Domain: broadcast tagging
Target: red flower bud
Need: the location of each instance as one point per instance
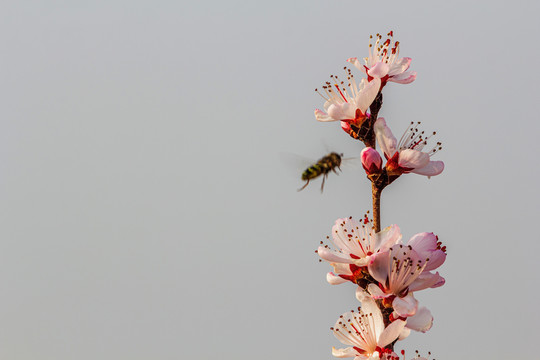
(371, 161)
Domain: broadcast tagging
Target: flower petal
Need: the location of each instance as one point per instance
(426, 246)
(380, 70)
(400, 66)
(334, 279)
(421, 321)
(342, 111)
(405, 78)
(387, 237)
(333, 256)
(426, 280)
(431, 169)
(344, 352)
(405, 306)
(322, 116)
(404, 333)
(376, 292)
(380, 266)
(424, 243)
(436, 259)
(412, 159)
(368, 93)
(385, 138)
(369, 306)
(391, 333)
(361, 294)
(341, 268)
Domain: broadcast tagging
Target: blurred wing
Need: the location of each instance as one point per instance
(351, 163)
(294, 164)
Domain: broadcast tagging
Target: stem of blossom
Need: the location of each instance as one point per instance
(369, 136)
(376, 195)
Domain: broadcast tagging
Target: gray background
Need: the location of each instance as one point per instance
(146, 212)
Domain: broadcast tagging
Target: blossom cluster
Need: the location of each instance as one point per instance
(386, 271)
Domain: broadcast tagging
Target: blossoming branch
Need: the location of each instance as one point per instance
(385, 270)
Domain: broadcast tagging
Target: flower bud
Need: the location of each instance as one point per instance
(371, 161)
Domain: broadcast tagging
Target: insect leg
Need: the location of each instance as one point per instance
(322, 184)
(303, 187)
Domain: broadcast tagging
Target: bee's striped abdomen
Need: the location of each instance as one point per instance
(312, 172)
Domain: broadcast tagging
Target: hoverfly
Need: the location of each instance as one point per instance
(322, 167)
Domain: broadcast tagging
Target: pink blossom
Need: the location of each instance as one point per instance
(365, 332)
(421, 321)
(407, 155)
(384, 63)
(402, 270)
(355, 242)
(346, 100)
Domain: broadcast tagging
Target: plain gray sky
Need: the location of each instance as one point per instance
(146, 214)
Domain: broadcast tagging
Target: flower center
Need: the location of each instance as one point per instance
(357, 329)
(338, 91)
(404, 269)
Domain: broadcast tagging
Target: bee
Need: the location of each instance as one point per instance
(322, 167)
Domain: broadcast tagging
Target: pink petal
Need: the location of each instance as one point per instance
(424, 243)
(421, 321)
(376, 292)
(405, 306)
(344, 353)
(322, 116)
(412, 159)
(426, 280)
(440, 282)
(335, 280)
(400, 66)
(333, 256)
(436, 259)
(431, 169)
(342, 111)
(404, 334)
(405, 78)
(385, 138)
(368, 93)
(387, 237)
(369, 306)
(380, 70)
(342, 269)
(426, 246)
(361, 294)
(379, 266)
(391, 333)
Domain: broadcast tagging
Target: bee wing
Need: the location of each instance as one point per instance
(351, 163)
(295, 164)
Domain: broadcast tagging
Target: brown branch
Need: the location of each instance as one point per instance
(376, 195)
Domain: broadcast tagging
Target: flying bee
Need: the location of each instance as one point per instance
(322, 167)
